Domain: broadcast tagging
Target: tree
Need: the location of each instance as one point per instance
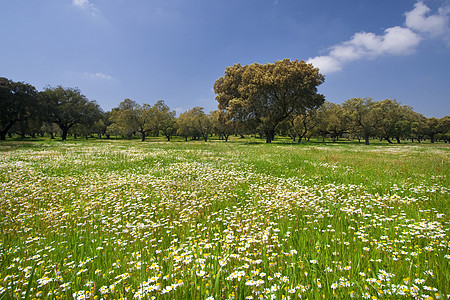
(268, 94)
(183, 126)
(68, 107)
(51, 128)
(434, 127)
(403, 126)
(101, 126)
(418, 124)
(394, 119)
(444, 126)
(362, 116)
(221, 124)
(303, 124)
(335, 121)
(164, 119)
(130, 117)
(194, 123)
(18, 102)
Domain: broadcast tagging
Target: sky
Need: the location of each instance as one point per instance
(174, 50)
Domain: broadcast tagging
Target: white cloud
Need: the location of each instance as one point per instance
(98, 76)
(395, 40)
(82, 3)
(420, 20)
(85, 5)
(326, 64)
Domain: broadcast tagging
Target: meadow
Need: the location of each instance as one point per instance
(237, 220)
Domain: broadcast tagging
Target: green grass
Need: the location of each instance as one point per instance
(191, 220)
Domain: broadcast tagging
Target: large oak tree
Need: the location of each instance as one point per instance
(68, 107)
(268, 94)
(18, 102)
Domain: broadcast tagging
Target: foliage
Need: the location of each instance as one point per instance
(68, 107)
(268, 94)
(257, 100)
(18, 102)
(194, 123)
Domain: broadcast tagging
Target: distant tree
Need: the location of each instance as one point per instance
(205, 126)
(336, 124)
(394, 119)
(194, 123)
(363, 117)
(268, 94)
(114, 130)
(418, 127)
(444, 127)
(31, 125)
(68, 107)
(184, 127)
(403, 125)
(163, 119)
(51, 128)
(303, 124)
(18, 102)
(131, 117)
(221, 124)
(432, 128)
(100, 127)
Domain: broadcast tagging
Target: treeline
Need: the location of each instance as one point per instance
(66, 111)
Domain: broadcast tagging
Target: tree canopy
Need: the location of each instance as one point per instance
(68, 107)
(257, 100)
(18, 102)
(268, 94)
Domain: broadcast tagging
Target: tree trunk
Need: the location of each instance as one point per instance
(143, 136)
(270, 135)
(398, 140)
(432, 139)
(64, 134)
(389, 140)
(5, 131)
(366, 139)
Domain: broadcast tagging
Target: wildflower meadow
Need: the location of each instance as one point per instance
(237, 220)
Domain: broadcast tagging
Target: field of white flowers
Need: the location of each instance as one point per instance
(129, 220)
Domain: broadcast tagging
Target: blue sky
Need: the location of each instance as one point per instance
(174, 50)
